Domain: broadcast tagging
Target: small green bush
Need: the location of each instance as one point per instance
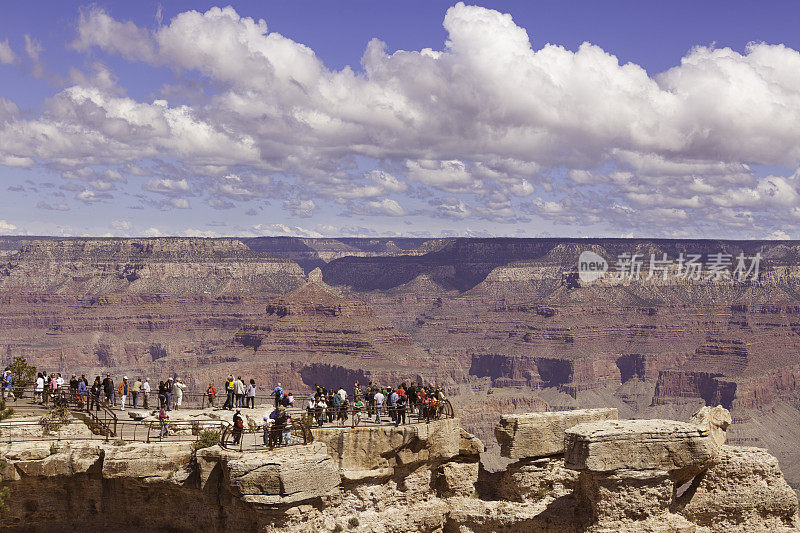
(353, 522)
(206, 439)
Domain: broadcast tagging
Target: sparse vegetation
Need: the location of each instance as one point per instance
(5, 412)
(353, 522)
(55, 419)
(206, 439)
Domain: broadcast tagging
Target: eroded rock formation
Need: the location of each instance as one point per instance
(420, 478)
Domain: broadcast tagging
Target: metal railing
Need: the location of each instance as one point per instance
(265, 437)
(150, 431)
(368, 415)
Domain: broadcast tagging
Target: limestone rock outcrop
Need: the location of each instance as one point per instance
(716, 420)
(379, 452)
(636, 445)
(742, 490)
(533, 435)
(286, 475)
(421, 477)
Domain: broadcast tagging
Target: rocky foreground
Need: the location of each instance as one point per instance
(570, 471)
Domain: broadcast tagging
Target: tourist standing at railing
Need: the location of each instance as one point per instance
(81, 393)
(108, 388)
(53, 385)
(370, 398)
(277, 392)
(336, 403)
(322, 406)
(287, 400)
(59, 381)
(135, 391)
(250, 395)
(229, 386)
(180, 386)
(123, 390)
(239, 389)
(238, 427)
(162, 394)
(6, 382)
(38, 388)
(211, 393)
(358, 407)
(45, 390)
(146, 391)
(400, 409)
(169, 391)
(357, 391)
(393, 397)
(97, 387)
(378, 398)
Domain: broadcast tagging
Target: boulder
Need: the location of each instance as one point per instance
(742, 490)
(532, 435)
(46, 459)
(470, 445)
(716, 420)
(636, 445)
(148, 462)
(457, 479)
(375, 451)
(282, 476)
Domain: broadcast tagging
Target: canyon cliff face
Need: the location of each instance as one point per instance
(570, 472)
(503, 324)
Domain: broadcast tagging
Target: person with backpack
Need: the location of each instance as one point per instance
(277, 392)
(238, 427)
(137, 389)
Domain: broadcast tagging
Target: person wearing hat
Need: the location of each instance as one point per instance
(146, 392)
(180, 386)
(123, 389)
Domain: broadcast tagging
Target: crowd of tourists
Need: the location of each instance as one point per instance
(374, 402)
(132, 393)
(332, 405)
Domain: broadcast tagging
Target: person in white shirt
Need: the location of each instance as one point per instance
(59, 381)
(146, 390)
(342, 394)
(379, 398)
(250, 395)
(38, 388)
(180, 386)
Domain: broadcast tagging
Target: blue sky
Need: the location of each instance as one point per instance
(419, 118)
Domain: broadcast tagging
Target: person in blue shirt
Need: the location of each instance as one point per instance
(278, 393)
